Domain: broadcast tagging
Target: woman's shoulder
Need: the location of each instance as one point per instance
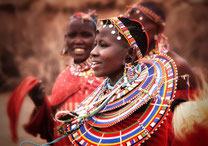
(183, 68)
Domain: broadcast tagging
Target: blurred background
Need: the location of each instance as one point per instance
(32, 36)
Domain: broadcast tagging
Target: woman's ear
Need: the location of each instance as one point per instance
(131, 56)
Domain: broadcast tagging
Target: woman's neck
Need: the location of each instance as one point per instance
(115, 77)
(80, 61)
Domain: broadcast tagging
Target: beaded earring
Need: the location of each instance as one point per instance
(128, 71)
(63, 51)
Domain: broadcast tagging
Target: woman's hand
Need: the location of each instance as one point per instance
(37, 94)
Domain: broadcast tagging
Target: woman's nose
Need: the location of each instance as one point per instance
(78, 40)
(94, 52)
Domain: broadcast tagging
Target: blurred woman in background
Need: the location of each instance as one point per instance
(75, 83)
(152, 16)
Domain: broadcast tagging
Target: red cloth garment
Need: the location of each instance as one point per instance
(41, 121)
(197, 138)
(183, 94)
(78, 88)
(15, 103)
(68, 91)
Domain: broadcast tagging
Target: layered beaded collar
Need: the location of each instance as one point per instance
(154, 86)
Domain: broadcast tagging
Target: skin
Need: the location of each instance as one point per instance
(183, 67)
(80, 34)
(109, 55)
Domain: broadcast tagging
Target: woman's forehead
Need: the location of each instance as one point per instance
(81, 23)
(106, 33)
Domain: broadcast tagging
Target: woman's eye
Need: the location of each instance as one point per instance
(70, 35)
(103, 44)
(86, 34)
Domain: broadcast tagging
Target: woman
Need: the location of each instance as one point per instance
(130, 106)
(71, 86)
(152, 16)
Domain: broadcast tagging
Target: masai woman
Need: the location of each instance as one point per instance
(131, 105)
(71, 86)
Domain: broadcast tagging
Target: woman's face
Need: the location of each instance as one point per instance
(109, 54)
(80, 39)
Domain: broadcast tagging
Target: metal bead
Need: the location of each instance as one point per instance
(111, 25)
(137, 11)
(118, 37)
(113, 32)
(140, 18)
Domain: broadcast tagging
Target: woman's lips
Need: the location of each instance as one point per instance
(79, 51)
(95, 64)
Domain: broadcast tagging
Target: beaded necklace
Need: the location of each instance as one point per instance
(82, 69)
(154, 86)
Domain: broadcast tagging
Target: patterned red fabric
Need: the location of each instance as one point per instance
(68, 91)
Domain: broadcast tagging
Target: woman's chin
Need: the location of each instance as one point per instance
(79, 58)
(98, 74)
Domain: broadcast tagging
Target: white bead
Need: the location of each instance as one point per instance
(118, 37)
(113, 32)
(111, 25)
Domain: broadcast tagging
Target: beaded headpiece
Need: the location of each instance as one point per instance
(123, 30)
(162, 45)
(85, 16)
(147, 12)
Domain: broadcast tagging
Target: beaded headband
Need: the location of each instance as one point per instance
(85, 16)
(149, 13)
(125, 32)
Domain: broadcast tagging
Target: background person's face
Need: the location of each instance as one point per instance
(109, 54)
(80, 39)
